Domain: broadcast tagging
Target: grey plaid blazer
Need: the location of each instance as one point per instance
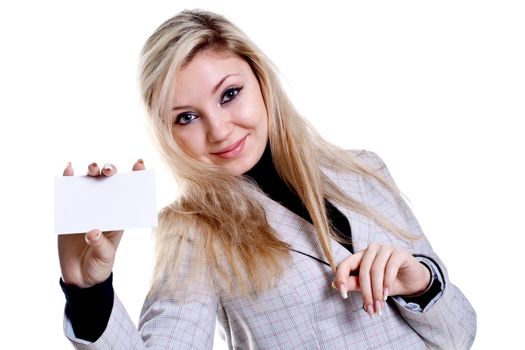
(303, 311)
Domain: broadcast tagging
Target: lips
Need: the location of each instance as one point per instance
(233, 150)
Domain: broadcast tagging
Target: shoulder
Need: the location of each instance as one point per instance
(357, 162)
(367, 158)
(179, 209)
(360, 172)
(168, 214)
(177, 222)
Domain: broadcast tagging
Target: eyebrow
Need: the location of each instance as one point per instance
(214, 90)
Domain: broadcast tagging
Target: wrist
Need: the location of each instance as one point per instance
(426, 280)
(75, 284)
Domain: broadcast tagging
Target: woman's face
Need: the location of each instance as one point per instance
(219, 116)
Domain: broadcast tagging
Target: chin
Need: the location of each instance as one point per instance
(240, 167)
(237, 171)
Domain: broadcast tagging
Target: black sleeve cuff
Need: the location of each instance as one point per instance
(89, 309)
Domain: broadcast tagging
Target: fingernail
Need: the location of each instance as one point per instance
(370, 310)
(342, 290)
(107, 166)
(95, 239)
(140, 161)
(379, 311)
(385, 294)
(68, 164)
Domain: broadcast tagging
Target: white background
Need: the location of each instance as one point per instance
(435, 88)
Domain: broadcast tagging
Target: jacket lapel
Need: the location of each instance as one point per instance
(299, 233)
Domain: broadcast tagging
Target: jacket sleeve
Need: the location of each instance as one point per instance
(165, 323)
(169, 320)
(450, 322)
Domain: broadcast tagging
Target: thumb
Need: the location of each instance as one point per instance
(93, 237)
(102, 247)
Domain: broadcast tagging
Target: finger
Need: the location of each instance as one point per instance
(68, 171)
(103, 248)
(377, 274)
(139, 165)
(391, 272)
(343, 271)
(108, 170)
(365, 278)
(352, 284)
(93, 170)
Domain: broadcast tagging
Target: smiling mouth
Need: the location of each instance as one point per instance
(233, 150)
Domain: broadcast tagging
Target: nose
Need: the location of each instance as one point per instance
(219, 127)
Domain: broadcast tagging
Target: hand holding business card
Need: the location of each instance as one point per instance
(121, 201)
(102, 201)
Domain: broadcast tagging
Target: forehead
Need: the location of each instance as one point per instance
(208, 67)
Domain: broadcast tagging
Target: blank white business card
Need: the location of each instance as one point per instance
(122, 201)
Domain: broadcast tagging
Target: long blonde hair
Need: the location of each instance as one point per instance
(217, 213)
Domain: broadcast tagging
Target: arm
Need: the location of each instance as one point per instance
(450, 321)
(165, 324)
(86, 262)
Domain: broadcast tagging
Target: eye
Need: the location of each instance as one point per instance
(230, 94)
(185, 118)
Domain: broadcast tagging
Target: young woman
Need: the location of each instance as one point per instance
(289, 241)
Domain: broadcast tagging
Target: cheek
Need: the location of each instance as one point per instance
(253, 114)
(262, 121)
(188, 140)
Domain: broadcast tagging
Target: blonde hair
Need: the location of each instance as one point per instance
(217, 213)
